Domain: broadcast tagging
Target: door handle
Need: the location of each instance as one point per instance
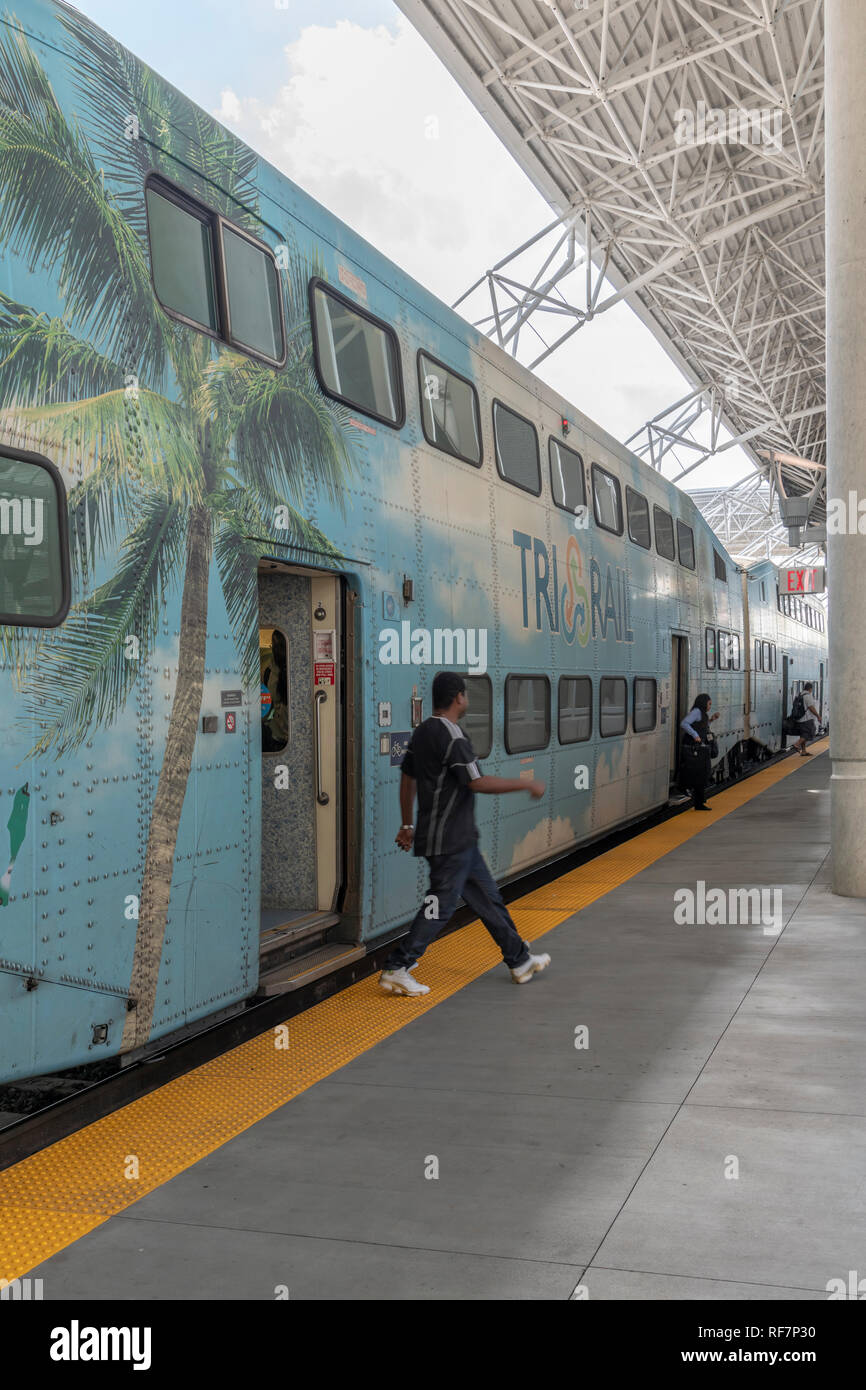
(319, 699)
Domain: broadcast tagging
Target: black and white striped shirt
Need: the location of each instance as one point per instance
(442, 761)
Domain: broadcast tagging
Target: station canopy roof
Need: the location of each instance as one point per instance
(685, 141)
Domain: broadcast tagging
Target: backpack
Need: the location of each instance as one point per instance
(798, 709)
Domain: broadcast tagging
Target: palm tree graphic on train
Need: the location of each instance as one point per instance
(165, 482)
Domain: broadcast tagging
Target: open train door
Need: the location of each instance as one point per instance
(679, 698)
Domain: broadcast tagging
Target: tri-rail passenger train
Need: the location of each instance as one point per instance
(256, 487)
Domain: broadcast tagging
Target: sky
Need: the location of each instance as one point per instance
(346, 99)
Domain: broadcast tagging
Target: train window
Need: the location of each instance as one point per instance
(357, 356)
(779, 604)
(527, 713)
(449, 411)
(789, 607)
(613, 699)
(637, 508)
(763, 591)
(516, 449)
(664, 529)
(724, 650)
(686, 544)
(182, 257)
(606, 500)
(710, 648)
(758, 666)
(767, 657)
(567, 481)
(720, 569)
(34, 545)
(798, 609)
(773, 658)
(253, 296)
(644, 713)
(575, 709)
(735, 650)
(478, 719)
(274, 667)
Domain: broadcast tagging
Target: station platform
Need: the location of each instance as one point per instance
(703, 1138)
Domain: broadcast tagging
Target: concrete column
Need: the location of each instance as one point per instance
(846, 432)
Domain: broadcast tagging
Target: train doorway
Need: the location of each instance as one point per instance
(304, 682)
(680, 703)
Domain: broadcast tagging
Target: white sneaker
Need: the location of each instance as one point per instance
(401, 982)
(522, 974)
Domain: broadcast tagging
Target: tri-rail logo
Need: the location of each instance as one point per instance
(77, 1343)
(573, 610)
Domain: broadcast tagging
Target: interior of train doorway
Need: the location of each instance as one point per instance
(308, 791)
(680, 699)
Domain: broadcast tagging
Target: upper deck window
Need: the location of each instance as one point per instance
(637, 509)
(567, 480)
(516, 449)
(664, 527)
(720, 569)
(357, 356)
(686, 543)
(449, 411)
(607, 500)
(213, 276)
(181, 253)
(34, 552)
(253, 295)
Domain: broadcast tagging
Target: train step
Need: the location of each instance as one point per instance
(322, 961)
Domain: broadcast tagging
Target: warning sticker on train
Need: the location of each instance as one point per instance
(324, 672)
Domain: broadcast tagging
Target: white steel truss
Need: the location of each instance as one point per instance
(681, 145)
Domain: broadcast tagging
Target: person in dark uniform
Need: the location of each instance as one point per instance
(696, 760)
(441, 767)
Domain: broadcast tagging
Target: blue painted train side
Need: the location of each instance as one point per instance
(216, 498)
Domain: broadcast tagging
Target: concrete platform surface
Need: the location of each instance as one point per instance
(708, 1141)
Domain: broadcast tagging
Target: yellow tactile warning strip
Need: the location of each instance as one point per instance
(52, 1199)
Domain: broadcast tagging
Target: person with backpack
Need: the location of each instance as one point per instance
(806, 717)
(696, 759)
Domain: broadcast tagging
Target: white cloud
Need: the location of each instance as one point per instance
(371, 124)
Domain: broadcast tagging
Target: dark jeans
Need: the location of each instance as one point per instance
(452, 877)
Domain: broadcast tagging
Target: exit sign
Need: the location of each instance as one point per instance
(802, 581)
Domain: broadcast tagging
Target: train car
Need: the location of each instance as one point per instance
(256, 487)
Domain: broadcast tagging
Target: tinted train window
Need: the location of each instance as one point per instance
(253, 294)
(34, 555)
(274, 668)
(758, 663)
(567, 480)
(720, 569)
(575, 709)
(181, 255)
(637, 509)
(686, 543)
(477, 722)
(527, 713)
(710, 648)
(449, 411)
(516, 449)
(724, 650)
(613, 714)
(735, 650)
(664, 529)
(607, 500)
(357, 357)
(644, 705)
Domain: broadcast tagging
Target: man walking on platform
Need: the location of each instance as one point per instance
(440, 764)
